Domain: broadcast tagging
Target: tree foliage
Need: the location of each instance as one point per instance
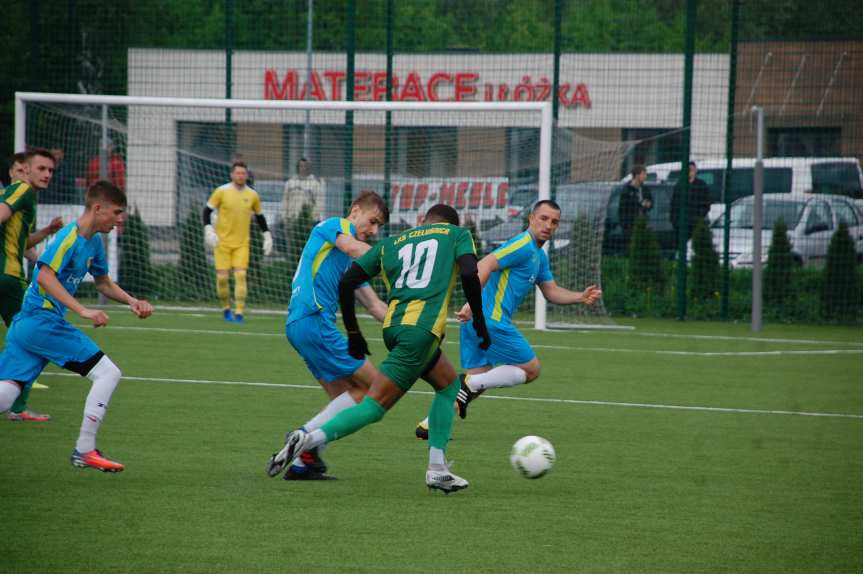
(645, 268)
(135, 273)
(778, 288)
(839, 293)
(705, 264)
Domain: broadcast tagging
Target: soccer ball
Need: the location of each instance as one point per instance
(532, 456)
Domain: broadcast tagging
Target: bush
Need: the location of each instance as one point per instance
(778, 286)
(195, 278)
(839, 291)
(705, 265)
(645, 260)
(135, 273)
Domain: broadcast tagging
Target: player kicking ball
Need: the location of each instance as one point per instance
(311, 324)
(40, 333)
(507, 275)
(419, 268)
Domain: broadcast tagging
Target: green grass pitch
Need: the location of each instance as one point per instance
(735, 482)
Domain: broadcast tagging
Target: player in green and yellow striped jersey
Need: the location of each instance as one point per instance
(419, 268)
(30, 172)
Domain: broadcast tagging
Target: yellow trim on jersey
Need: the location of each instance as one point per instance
(19, 191)
(68, 241)
(412, 312)
(346, 226)
(440, 323)
(504, 251)
(319, 258)
(384, 274)
(388, 318)
(497, 312)
(10, 244)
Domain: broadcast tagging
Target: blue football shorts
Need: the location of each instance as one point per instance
(38, 337)
(322, 347)
(508, 346)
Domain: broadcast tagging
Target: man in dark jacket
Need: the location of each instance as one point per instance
(697, 205)
(635, 200)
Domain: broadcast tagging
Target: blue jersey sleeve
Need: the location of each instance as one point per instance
(60, 251)
(544, 269)
(329, 229)
(99, 265)
(515, 251)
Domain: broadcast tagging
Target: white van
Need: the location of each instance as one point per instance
(794, 175)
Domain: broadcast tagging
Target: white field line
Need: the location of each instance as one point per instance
(553, 347)
(496, 397)
(586, 330)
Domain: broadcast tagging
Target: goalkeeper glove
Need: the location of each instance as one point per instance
(268, 242)
(210, 236)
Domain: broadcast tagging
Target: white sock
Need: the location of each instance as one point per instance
(317, 438)
(333, 408)
(105, 376)
(502, 376)
(436, 456)
(9, 391)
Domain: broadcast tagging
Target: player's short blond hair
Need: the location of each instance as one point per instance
(367, 200)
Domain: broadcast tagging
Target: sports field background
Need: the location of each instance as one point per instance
(678, 451)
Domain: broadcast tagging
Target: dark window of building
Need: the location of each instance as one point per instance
(803, 142)
(655, 145)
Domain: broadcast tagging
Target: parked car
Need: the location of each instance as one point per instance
(598, 201)
(792, 175)
(811, 221)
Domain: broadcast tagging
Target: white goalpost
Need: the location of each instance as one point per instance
(174, 151)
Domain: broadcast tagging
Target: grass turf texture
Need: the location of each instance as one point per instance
(635, 489)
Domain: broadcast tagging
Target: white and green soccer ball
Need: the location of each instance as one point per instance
(532, 456)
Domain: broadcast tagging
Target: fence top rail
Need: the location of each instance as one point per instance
(283, 104)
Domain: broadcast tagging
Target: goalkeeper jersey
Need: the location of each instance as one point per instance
(522, 264)
(21, 199)
(315, 286)
(419, 270)
(236, 207)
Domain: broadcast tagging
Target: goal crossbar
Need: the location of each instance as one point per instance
(544, 109)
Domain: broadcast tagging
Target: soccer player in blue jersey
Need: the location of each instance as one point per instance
(507, 275)
(40, 333)
(311, 324)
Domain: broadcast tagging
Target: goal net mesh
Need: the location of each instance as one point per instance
(170, 159)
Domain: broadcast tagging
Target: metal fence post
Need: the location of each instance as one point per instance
(757, 211)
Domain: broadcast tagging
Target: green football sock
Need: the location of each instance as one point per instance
(354, 418)
(20, 404)
(441, 414)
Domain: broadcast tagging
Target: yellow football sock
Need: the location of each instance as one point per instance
(240, 291)
(222, 290)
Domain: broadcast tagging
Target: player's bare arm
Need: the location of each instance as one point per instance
(351, 246)
(5, 213)
(561, 296)
(486, 266)
(38, 236)
(48, 281)
(370, 300)
(106, 286)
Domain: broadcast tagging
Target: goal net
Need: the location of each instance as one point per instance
(307, 160)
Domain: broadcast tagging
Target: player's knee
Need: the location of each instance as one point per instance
(532, 370)
(105, 370)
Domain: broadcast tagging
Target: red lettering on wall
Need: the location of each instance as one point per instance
(447, 194)
(336, 78)
(379, 86)
(421, 195)
(465, 85)
(361, 86)
(413, 89)
(435, 79)
(459, 198)
(407, 196)
(581, 97)
(502, 193)
(475, 194)
(274, 91)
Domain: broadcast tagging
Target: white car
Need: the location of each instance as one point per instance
(811, 221)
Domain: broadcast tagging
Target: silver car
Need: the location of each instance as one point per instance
(811, 221)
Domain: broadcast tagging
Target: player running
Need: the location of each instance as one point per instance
(236, 202)
(31, 172)
(507, 274)
(311, 323)
(40, 333)
(419, 268)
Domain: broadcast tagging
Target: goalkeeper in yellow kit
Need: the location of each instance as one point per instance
(235, 202)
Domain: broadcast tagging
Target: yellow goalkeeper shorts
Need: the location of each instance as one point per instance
(231, 257)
